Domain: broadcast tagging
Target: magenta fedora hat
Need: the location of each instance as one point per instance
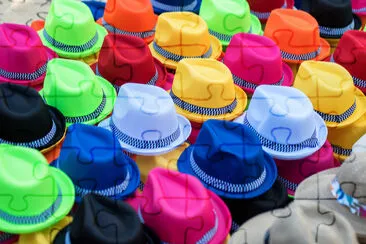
(256, 60)
(25, 58)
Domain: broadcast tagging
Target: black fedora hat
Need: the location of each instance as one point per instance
(334, 17)
(25, 119)
(102, 220)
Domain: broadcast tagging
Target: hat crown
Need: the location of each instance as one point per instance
(145, 112)
(216, 14)
(182, 33)
(265, 6)
(20, 42)
(27, 184)
(70, 82)
(204, 82)
(294, 31)
(272, 107)
(125, 59)
(70, 22)
(326, 84)
(22, 111)
(254, 58)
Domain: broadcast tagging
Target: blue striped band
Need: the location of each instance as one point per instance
(224, 185)
(91, 116)
(37, 143)
(225, 37)
(6, 237)
(24, 76)
(145, 144)
(265, 15)
(234, 226)
(357, 81)
(201, 110)
(246, 84)
(174, 8)
(32, 220)
(338, 118)
(176, 57)
(335, 32)
(308, 143)
(341, 151)
(71, 48)
(144, 34)
(359, 10)
(141, 186)
(301, 57)
(288, 184)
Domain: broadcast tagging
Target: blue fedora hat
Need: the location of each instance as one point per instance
(93, 158)
(162, 6)
(96, 7)
(228, 159)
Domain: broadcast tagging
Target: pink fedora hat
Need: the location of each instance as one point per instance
(256, 60)
(25, 58)
(291, 173)
(179, 209)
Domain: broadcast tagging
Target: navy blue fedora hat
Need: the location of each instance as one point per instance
(228, 159)
(94, 160)
(162, 6)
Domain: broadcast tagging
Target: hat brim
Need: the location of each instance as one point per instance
(241, 97)
(317, 188)
(68, 195)
(185, 130)
(321, 135)
(102, 32)
(184, 166)
(171, 64)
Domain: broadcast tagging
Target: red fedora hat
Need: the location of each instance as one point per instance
(262, 8)
(127, 59)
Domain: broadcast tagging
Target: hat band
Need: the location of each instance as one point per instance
(234, 226)
(31, 220)
(206, 238)
(143, 34)
(174, 8)
(288, 184)
(6, 236)
(71, 48)
(265, 15)
(91, 116)
(279, 147)
(37, 143)
(224, 185)
(24, 76)
(335, 32)
(176, 57)
(202, 110)
(225, 37)
(246, 84)
(145, 144)
(338, 118)
(301, 57)
(354, 206)
(341, 151)
(358, 10)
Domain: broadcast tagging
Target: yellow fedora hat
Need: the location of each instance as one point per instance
(332, 92)
(204, 89)
(181, 35)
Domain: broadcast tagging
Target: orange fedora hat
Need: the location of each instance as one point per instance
(126, 17)
(297, 34)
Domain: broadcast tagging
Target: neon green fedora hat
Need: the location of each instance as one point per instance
(227, 18)
(33, 195)
(80, 95)
(70, 30)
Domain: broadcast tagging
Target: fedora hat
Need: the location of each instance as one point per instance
(7, 238)
(145, 121)
(171, 202)
(262, 8)
(351, 54)
(342, 189)
(70, 38)
(132, 18)
(204, 89)
(334, 17)
(182, 35)
(330, 88)
(27, 121)
(41, 195)
(162, 6)
(93, 159)
(21, 44)
(297, 223)
(70, 82)
(93, 216)
(297, 34)
(285, 122)
(123, 59)
(292, 172)
(256, 60)
(359, 7)
(226, 18)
